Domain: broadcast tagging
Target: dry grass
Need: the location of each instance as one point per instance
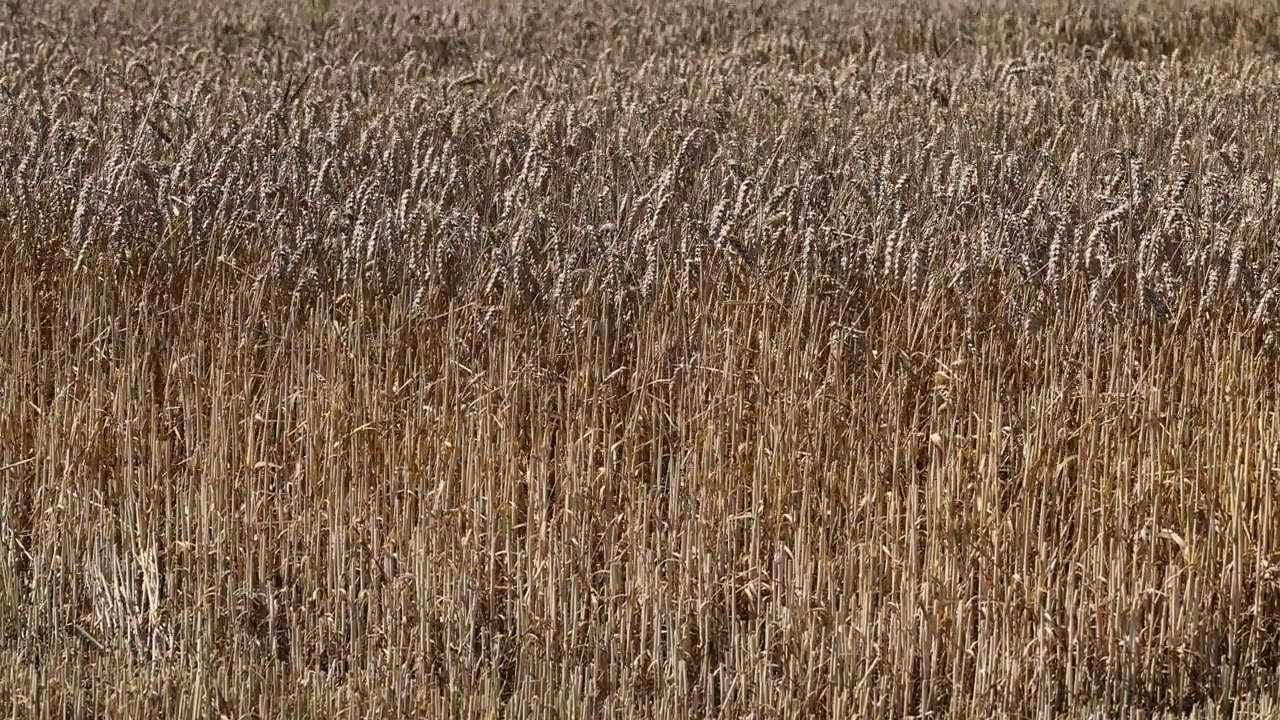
(678, 359)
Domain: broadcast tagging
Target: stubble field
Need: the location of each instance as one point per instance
(676, 359)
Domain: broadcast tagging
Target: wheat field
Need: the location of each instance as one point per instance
(623, 359)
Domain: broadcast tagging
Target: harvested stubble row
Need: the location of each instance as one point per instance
(677, 359)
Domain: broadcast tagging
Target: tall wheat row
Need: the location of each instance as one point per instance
(675, 359)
